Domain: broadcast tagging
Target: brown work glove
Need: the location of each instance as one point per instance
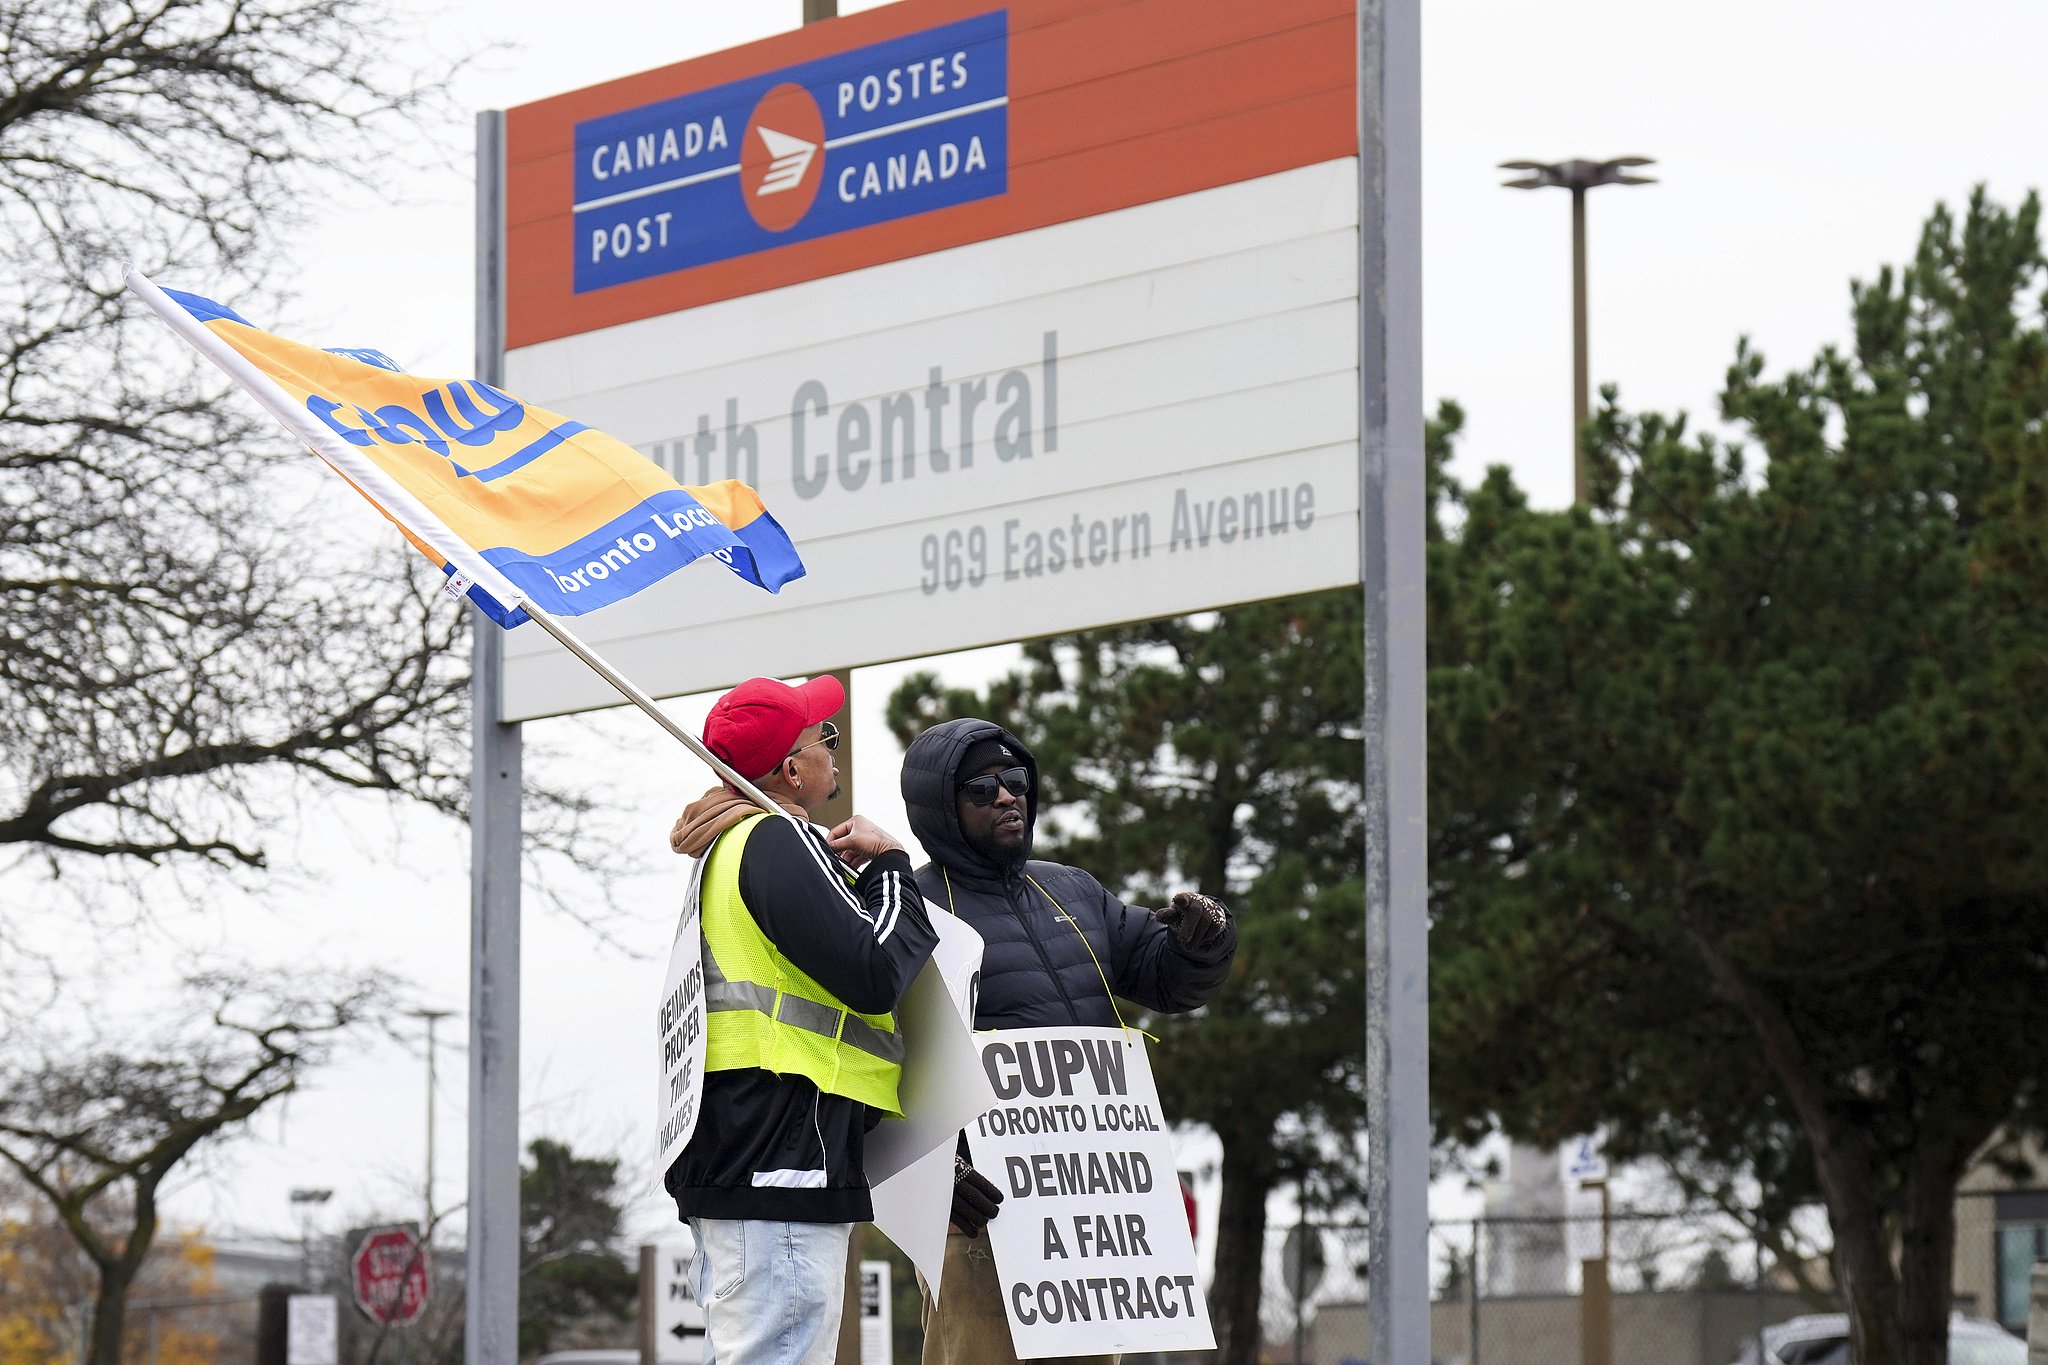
(1198, 921)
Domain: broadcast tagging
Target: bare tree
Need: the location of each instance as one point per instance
(97, 1129)
(185, 641)
(170, 626)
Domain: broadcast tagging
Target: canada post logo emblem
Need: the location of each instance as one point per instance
(882, 132)
(780, 169)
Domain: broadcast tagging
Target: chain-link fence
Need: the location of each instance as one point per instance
(1682, 1288)
(1686, 1287)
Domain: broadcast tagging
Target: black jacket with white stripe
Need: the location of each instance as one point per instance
(770, 1146)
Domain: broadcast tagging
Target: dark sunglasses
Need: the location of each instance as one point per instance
(981, 791)
(828, 736)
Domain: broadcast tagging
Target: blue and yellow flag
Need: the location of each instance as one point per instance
(519, 506)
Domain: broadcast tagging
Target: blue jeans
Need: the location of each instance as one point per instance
(772, 1291)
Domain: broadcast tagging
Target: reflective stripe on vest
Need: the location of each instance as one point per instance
(762, 1011)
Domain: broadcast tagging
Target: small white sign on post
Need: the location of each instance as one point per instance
(1091, 1244)
(1582, 1160)
(679, 1029)
(678, 1317)
(312, 1330)
(876, 1325)
(1582, 1239)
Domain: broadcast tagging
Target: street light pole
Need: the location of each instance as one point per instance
(304, 1199)
(432, 1017)
(1578, 177)
(1582, 403)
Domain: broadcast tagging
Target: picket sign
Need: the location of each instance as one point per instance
(1092, 1245)
(679, 1028)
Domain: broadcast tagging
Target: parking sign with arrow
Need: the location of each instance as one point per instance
(679, 1318)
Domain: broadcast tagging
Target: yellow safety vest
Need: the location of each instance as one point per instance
(762, 1012)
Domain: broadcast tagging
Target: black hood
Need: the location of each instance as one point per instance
(931, 777)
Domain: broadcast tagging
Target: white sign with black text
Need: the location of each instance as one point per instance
(1092, 1243)
(678, 1317)
(877, 1324)
(679, 1029)
(312, 1330)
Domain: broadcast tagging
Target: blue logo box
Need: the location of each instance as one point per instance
(871, 135)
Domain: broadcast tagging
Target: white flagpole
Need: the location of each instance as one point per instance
(398, 503)
(570, 642)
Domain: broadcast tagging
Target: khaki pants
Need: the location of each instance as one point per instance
(968, 1327)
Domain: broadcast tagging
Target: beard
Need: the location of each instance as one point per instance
(1004, 853)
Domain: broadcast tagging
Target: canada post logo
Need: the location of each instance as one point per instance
(877, 133)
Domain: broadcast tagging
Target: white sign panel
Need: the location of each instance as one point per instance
(1583, 1239)
(1583, 1161)
(679, 1029)
(1091, 1243)
(678, 1317)
(312, 1330)
(876, 1321)
(1125, 416)
(910, 1160)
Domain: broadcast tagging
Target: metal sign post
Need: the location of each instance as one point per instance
(1396, 806)
(492, 1307)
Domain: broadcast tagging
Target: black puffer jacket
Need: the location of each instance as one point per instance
(1036, 971)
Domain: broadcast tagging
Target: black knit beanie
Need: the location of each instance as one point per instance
(982, 754)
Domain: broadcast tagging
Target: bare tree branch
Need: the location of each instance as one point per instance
(178, 625)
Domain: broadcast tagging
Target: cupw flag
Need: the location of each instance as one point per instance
(517, 505)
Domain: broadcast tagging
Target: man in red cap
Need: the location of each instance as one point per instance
(811, 938)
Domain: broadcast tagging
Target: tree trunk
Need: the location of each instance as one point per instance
(110, 1313)
(118, 1269)
(1927, 1248)
(1871, 1292)
(1240, 1254)
(1841, 1159)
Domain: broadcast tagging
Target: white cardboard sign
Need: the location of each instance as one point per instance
(679, 1029)
(910, 1160)
(1091, 1244)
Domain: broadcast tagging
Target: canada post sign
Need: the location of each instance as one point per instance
(882, 132)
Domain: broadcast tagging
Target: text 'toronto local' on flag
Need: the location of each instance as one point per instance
(516, 504)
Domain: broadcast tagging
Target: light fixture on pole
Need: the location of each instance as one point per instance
(432, 1017)
(1578, 176)
(304, 1199)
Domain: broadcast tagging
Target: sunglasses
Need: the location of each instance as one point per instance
(828, 736)
(981, 791)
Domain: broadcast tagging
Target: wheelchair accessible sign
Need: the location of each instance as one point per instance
(898, 128)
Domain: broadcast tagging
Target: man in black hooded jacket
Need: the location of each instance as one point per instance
(1057, 945)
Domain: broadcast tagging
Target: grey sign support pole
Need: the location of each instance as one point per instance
(494, 819)
(1396, 805)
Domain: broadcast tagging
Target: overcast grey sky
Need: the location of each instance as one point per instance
(1799, 142)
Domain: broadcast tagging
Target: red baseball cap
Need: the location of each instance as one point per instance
(754, 726)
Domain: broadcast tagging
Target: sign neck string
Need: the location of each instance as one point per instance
(1076, 925)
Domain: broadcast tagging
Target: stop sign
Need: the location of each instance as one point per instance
(389, 1271)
